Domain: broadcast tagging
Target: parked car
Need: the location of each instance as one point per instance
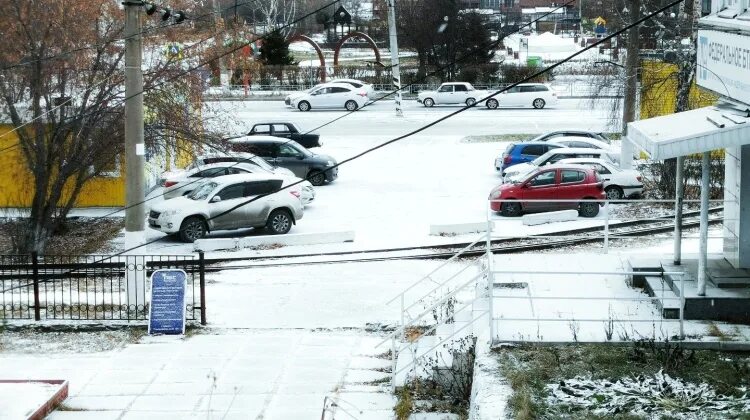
(537, 95)
(316, 168)
(571, 133)
(288, 99)
(331, 95)
(368, 88)
(516, 153)
(559, 182)
(581, 142)
(211, 207)
(184, 182)
(618, 183)
(287, 130)
(451, 93)
(518, 171)
(222, 157)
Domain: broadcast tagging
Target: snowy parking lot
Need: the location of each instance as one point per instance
(391, 196)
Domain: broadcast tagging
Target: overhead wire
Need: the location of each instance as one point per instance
(418, 130)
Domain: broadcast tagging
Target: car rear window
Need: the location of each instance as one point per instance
(533, 150)
(262, 187)
(540, 88)
(509, 148)
(461, 88)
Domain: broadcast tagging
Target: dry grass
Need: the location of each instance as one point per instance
(77, 236)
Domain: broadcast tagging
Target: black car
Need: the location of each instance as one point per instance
(286, 130)
(318, 169)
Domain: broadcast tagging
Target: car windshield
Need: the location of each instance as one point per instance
(259, 161)
(541, 159)
(202, 191)
(300, 148)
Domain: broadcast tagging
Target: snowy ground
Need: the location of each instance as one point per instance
(19, 400)
(390, 197)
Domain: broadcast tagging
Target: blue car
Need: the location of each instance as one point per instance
(517, 153)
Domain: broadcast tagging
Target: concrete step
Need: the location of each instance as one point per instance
(667, 302)
(440, 357)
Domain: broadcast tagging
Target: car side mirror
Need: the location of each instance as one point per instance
(300, 157)
(215, 199)
(525, 185)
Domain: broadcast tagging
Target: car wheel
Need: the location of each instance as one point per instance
(510, 209)
(351, 106)
(538, 103)
(492, 103)
(588, 209)
(303, 106)
(471, 102)
(428, 102)
(316, 178)
(192, 229)
(279, 222)
(614, 193)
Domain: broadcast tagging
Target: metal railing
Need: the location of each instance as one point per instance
(91, 287)
(488, 271)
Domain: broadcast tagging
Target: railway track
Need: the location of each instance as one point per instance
(628, 229)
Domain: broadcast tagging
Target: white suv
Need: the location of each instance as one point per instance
(217, 204)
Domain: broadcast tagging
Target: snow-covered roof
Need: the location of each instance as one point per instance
(685, 133)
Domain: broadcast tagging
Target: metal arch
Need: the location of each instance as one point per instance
(355, 34)
(305, 38)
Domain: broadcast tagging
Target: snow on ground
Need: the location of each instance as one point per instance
(390, 197)
(19, 400)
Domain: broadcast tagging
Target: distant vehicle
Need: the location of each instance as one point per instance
(293, 95)
(571, 133)
(211, 207)
(581, 142)
(317, 168)
(517, 153)
(570, 182)
(537, 95)
(331, 95)
(618, 183)
(516, 172)
(451, 93)
(221, 157)
(368, 88)
(287, 130)
(184, 182)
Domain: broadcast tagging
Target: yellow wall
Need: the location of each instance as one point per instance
(16, 182)
(659, 90)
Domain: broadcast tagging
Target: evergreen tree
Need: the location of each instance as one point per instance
(275, 50)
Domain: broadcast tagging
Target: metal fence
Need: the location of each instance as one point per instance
(92, 287)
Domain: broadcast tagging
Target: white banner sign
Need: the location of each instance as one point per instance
(724, 64)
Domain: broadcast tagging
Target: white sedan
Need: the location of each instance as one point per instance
(179, 183)
(618, 183)
(537, 95)
(331, 95)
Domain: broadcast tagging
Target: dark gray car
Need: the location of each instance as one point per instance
(317, 168)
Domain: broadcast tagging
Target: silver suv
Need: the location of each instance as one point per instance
(218, 204)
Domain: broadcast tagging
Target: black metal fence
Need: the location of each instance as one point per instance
(92, 287)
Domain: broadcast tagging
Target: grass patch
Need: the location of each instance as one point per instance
(530, 368)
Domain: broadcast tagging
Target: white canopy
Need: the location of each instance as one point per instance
(697, 131)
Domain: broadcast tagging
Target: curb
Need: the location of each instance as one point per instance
(52, 402)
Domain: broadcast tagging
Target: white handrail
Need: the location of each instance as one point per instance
(598, 273)
(413, 361)
(402, 328)
(435, 327)
(439, 286)
(451, 259)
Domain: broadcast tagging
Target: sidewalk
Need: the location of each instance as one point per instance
(232, 375)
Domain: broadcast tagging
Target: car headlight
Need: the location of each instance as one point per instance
(169, 213)
(494, 195)
(330, 163)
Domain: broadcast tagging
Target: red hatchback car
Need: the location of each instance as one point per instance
(566, 182)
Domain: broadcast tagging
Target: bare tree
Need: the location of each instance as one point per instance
(61, 87)
(278, 14)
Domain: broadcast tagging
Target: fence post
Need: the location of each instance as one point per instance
(606, 227)
(202, 277)
(682, 306)
(35, 274)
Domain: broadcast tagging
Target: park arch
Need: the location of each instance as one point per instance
(355, 34)
(307, 39)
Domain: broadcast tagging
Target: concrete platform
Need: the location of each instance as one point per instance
(727, 295)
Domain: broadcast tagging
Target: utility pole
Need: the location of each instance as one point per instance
(219, 39)
(134, 151)
(631, 85)
(395, 67)
(134, 148)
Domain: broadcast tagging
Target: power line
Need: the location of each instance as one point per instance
(96, 46)
(475, 51)
(413, 132)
